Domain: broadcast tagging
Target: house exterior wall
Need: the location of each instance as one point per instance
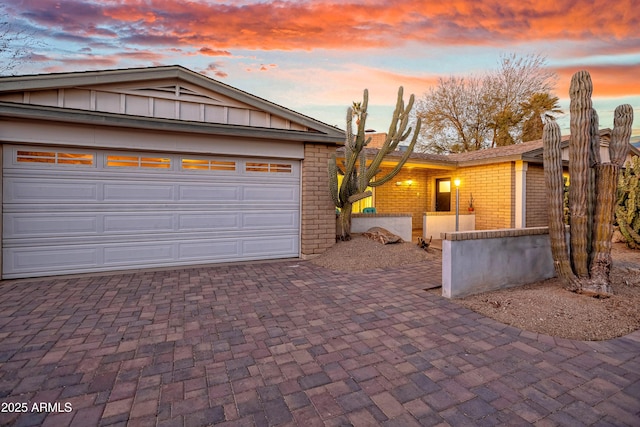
(536, 197)
(414, 199)
(318, 228)
(493, 188)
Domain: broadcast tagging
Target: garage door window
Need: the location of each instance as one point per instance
(138, 162)
(269, 167)
(53, 157)
(208, 165)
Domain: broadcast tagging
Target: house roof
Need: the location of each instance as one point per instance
(314, 129)
(531, 151)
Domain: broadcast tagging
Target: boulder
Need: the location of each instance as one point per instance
(382, 235)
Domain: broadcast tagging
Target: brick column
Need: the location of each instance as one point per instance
(318, 212)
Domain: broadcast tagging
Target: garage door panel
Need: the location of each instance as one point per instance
(20, 190)
(208, 193)
(139, 254)
(48, 260)
(138, 223)
(271, 193)
(210, 250)
(209, 221)
(270, 219)
(23, 226)
(270, 246)
(138, 192)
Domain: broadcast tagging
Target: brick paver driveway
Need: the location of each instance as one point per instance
(288, 343)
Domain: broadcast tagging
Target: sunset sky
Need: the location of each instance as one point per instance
(316, 57)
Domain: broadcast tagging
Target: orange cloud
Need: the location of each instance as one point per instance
(608, 80)
(289, 25)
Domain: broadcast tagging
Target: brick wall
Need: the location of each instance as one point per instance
(493, 188)
(377, 139)
(318, 212)
(537, 203)
(413, 199)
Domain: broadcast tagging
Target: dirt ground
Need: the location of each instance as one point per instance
(543, 307)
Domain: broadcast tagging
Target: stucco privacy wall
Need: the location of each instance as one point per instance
(436, 223)
(399, 224)
(475, 262)
(318, 212)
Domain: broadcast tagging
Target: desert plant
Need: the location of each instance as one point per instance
(357, 173)
(628, 207)
(592, 193)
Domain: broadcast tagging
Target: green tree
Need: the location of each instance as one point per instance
(471, 113)
(538, 105)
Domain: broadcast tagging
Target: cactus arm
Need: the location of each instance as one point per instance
(400, 163)
(362, 175)
(552, 158)
(360, 196)
(392, 140)
(580, 110)
(333, 181)
(619, 145)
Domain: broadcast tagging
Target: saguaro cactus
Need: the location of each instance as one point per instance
(628, 209)
(592, 192)
(357, 173)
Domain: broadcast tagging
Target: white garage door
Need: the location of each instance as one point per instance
(69, 211)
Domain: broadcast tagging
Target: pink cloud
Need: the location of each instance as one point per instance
(214, 52)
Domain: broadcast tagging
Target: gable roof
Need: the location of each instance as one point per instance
(45, 96)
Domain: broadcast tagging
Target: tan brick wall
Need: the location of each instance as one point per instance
(493, 187)
(413, 199)
(318, 212)
(537, 203)
(377, 139)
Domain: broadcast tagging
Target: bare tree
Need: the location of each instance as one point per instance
(471, 113)
(452, 114)
(16, 45)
